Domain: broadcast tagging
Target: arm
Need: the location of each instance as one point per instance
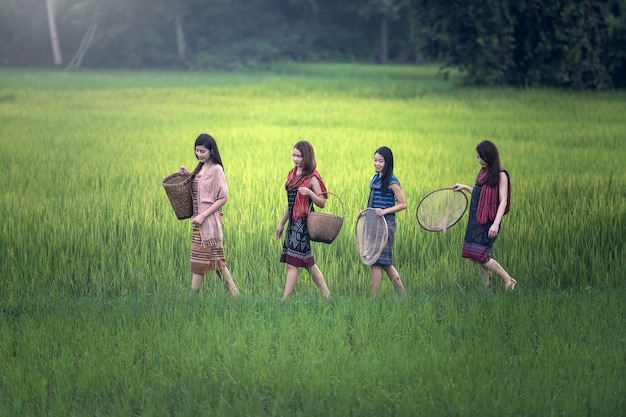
(314, 192)
(283, 220)
(400, 204)
(503, 191)
(211, 210)
(462, 187)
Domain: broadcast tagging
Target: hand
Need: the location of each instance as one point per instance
(380, 212)
(279, 231)
(197, 221)
(304, 190)
(458, 187)
(493, 231)
(182, 171)
(358, 216)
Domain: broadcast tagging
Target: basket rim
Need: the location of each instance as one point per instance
(164, 181)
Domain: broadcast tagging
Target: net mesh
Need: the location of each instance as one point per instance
(441, 209)
(371, 236)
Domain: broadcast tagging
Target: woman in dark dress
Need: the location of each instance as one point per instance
(491, 199)
(304, 185)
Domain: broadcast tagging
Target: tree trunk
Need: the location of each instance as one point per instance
(181, 45)
(384, 41)
(54, 36)
(77, 60)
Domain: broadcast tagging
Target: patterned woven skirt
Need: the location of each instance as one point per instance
(297, 245)
(207, 256)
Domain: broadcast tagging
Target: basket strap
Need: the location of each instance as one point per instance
(343, 211)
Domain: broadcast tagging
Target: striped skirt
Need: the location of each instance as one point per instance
(206, 257)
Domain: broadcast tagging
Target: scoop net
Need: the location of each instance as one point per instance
(441, 209)
(371, 236)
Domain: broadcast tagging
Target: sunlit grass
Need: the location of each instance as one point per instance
(95, 316)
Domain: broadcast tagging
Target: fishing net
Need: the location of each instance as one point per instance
(371, 236)
(441, 209)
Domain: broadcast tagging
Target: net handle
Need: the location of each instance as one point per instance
(369, 209)
(343, 211)
(440, 189)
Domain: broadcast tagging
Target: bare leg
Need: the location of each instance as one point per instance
(377, 275)
(394, 277)
(227, 279)
(318, 279)
(292, 278)
(196, 283)
(493, 266)
(485, 276)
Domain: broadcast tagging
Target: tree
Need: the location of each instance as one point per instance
(386, 11)
(181, 45)
(54, 37)
(560, 43)
(85, 43)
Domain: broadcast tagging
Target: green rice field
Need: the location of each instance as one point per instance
(95, 318)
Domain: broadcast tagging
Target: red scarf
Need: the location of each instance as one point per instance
(490, 197)
(300, 206)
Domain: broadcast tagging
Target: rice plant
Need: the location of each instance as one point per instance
(95, 316)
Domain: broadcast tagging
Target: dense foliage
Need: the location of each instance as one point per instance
(565, 43)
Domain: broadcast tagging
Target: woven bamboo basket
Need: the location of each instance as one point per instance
(178, 190)
(324, 227)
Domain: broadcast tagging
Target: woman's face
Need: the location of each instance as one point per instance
(296, 157)
(379, 163)
(203, 153)
(480, 160)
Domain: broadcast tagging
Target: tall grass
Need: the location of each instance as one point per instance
(445, 353)
(87, 213)
(95, 319)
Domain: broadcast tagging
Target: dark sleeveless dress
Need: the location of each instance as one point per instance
(297, 243)
(477, 244)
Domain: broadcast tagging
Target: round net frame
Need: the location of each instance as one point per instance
(371, 236)
(441, 209)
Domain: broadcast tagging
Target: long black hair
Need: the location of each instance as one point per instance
(488, 152)
(206, 140)
(387, 155)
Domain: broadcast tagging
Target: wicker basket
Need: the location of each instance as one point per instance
(178, 190)
(324, 227)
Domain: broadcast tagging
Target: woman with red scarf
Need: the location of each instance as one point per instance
(491, 199)
(304, 186)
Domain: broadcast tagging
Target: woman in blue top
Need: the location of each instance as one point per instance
(386, 199)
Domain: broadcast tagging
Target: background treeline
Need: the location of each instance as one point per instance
(576, 44)
(221, 34)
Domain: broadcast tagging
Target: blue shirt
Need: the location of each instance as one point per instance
(376, 197)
